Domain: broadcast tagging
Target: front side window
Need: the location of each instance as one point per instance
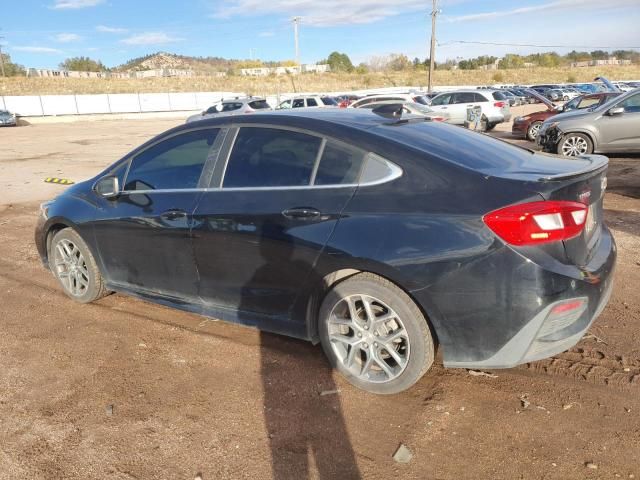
(631, 104)
(230, 107)
(268, 157)
(441, 99)
(285, 104)
(298, 103)
(588, 102)
(175, 163)
(339, 165)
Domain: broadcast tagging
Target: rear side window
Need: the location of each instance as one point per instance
(479, 98)
(377, 169)
(268, 157)
(311, 102)
(259, 104)
(339, 165)
(230, 107)
(175, 163)
(499, 96)
(464, 97)
(329, 101)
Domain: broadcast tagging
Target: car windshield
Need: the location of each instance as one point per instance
(421, 99)
(420, 108)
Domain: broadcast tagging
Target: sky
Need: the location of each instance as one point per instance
(42, 33)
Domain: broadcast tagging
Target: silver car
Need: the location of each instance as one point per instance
(412, 108)
(611, 127)
(236, 106)
(7, 119)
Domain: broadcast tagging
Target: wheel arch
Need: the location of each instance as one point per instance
(315, 298)
(53, 227)
(582, 131)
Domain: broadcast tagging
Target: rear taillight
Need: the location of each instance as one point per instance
(538, 222)
(499, 104)
(437, 119)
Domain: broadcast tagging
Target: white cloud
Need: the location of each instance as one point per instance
(74, 4)
(150, 38)
(582, 5)
(106, 29)
(67, 37)
(326, 13)
(35, 49)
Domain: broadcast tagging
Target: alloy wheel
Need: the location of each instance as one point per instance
(368, 338)
(534, 130)
(574, 146)
(71, 268)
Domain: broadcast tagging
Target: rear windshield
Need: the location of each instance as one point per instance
(420, 99)
(499, 96)
(259, 104)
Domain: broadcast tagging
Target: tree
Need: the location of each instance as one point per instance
(511, 60)
(398, 62)
(339, 62)
(362, 69)
(12, 69)
(83, 64)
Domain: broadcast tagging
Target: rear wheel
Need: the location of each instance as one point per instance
(533, 130)
(574, 144)
(490, 126)
(375, 335)
(75, 268)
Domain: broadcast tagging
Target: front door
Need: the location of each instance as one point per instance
(257, 238)
(621, 132)
(143, 235)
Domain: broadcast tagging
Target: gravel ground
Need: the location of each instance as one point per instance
(125, 389)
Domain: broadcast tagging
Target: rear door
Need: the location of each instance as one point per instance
(275, 201)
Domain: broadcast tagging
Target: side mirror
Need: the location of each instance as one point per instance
(615, 111)
(107, 187)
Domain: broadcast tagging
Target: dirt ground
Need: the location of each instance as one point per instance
(124, 389)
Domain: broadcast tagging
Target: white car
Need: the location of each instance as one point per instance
(306, 101)
(623, 87)
(236, 106)
(494, 105)
(397, 97)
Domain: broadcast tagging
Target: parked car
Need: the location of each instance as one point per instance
(521, 96)
(7, 119)
(623, 87)
(511, 98)
(528, 126)
(611, 127)
(554, 94)
(308, 101)
(411, 108)
(236, 106)
(397, 97)
(300, 224)
(345, 100)
(494, 104)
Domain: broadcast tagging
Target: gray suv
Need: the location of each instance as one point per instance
(236, 106)
(611, 127)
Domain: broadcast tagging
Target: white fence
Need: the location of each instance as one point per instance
(43, 105)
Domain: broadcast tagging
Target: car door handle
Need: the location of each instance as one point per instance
(301, 213)
(173, 214)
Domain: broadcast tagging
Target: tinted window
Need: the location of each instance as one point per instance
(259, 104)
(173, 163)
(298, 103)
(311, 102)
(329, 101)
(340, 164)
(464, 97)
(441, 99)
(479, 98)
(213, 109)
(631, 104)
(267, 157)
(421, 99)
(499, 96)
(229, 107)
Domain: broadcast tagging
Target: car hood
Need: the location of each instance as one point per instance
(548, 103)
(570, 115)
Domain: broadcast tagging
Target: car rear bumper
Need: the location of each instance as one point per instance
(517, 315)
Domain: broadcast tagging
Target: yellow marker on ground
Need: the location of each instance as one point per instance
(59, 181)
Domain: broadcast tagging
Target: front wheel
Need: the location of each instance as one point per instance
(75, 268)
(375, 335)
(575, 144)
(533, 130)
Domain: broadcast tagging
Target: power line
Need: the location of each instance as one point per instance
(534, 45)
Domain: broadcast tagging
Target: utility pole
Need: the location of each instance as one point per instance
(1, 58)
(432, 51)
(296, 21)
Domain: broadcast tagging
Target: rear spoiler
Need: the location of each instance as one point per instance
(598, 163)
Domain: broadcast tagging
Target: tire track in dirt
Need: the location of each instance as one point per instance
(592, 365)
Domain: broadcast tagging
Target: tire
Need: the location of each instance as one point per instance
(532, 131)
(357, 349)
(574, 144)
(69, 254)
(490, 126)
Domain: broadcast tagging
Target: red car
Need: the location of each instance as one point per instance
(529, 125)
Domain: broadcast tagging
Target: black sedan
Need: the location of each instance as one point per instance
(381, 237)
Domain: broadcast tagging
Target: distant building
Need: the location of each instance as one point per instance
(491, 66)
(293, 70)
(598, 63)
